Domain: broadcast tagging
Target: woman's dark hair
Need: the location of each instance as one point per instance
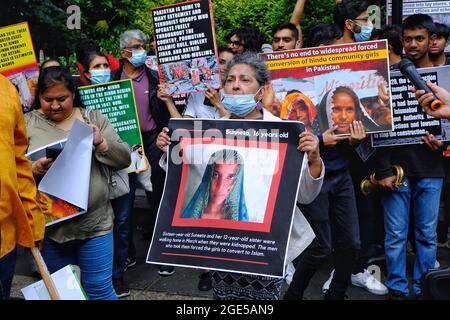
(87, 59)
(52, 76)
(84, 48)
(42, 66)
(252, 39)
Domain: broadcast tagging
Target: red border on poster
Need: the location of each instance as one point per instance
(229, 224)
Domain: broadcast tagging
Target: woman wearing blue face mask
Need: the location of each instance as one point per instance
(247, 90)
(96, 68)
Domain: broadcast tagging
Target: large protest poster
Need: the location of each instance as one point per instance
(18, 61)
(223, 207)
(116, 101)
(71, 170)
(333, 85)
(439, 10)
(185, 47)
(410, 122)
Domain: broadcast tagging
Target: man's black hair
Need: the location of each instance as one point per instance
(393, 35)
(418, 21)
(441, 30)
(225, 49)
(252, 38)
(322, 33)
(348, 9)
(289, 26)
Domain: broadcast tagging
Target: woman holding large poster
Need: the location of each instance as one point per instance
(247, 82)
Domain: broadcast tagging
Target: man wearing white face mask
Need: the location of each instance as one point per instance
(153, 114)
(352, 17)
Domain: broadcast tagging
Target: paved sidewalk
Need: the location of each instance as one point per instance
(146, 284)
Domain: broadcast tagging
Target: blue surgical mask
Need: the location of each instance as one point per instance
(240, 104)
(100, 76)
(365, 34)
(138, 58)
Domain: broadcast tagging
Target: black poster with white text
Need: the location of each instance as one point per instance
(229, 197)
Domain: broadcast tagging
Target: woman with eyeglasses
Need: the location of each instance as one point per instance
(245, 39)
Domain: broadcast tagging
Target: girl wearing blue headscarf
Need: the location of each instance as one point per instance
(220, 194)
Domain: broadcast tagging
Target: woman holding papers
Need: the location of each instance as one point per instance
(85, 240)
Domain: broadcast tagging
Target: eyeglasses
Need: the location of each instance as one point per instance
(137, 47)
(366, 19)
(235, 43)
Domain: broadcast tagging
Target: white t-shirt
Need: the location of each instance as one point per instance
(196, 109)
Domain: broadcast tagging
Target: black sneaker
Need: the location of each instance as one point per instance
(120, 288)
(166, 271)
(129, 263)
(396, 295)
(205, 282)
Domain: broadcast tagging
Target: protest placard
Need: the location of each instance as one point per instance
(71, 170)
(410, 122)
(116, 101)
(333, 85)
(185, 47)
(239, 165)
(18, 61)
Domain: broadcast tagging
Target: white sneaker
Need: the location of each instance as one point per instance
(437, 265)
(326, 285)
(289, 273)
(367, 281)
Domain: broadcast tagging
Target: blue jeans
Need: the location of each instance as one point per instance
(94, 256)
(425, 195)
(122, 208)
(7, 267)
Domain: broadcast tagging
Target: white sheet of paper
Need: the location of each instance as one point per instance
(66, 282)
(68, 178)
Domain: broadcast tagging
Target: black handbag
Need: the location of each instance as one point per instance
(436, 284)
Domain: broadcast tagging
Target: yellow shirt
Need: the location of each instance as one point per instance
(21, 220)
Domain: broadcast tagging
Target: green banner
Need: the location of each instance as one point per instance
(116, 101)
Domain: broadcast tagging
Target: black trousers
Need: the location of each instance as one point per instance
(334, 219)
(154, 154)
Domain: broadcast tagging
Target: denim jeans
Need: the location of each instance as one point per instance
(333, 217)
(425, 194)
(122, 208)
(94, 256)
(7, 267)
